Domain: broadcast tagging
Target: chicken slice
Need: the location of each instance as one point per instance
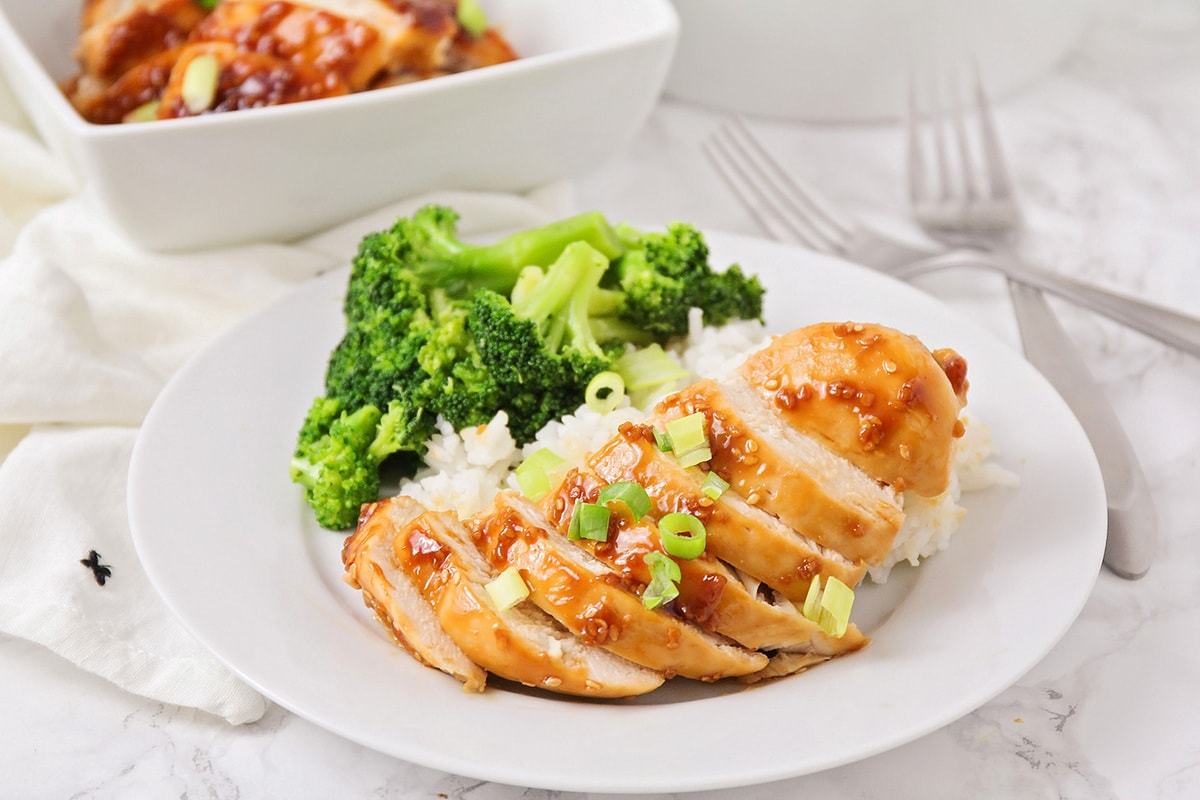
(739, 534)
(370, 561)
(117, 35)
(871, 394)
(789, 474)
(300, 34)
(246, 80)
(710, 594)
(520, 643)
(593, 601)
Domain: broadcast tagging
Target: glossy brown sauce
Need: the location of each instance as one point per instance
(702, 582)
(278, 52)
(139, 37)
(873, 395)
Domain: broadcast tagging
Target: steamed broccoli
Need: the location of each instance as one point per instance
(540, 348)
(666, 274)
(437, 327)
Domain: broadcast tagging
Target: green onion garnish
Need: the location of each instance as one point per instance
(207, 5)
(829, 608)
(507, 589)
(812, 600)
(589, 521)
(689, 440)
(836, 602)
(663, 440)
(472, 17)
(714, 486)
(143, 113)
(664, 575)
(533, 474)
(604, 392)
(630, 493)
(687, 433)
(683, 536)
(200, 83)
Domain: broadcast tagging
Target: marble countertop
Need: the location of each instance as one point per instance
(1106, 152)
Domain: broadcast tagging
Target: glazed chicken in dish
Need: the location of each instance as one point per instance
(811, 442)
(159, 59)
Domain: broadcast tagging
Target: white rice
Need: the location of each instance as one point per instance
(465, 470)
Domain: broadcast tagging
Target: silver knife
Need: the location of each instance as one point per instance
(1132, 521)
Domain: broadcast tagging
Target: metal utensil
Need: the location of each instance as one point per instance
(789, 211)
(786, 210)
(960, 194)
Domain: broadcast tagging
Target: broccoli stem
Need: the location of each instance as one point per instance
(559, 303)
(497, 266)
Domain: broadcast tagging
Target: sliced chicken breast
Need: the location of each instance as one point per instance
(710, 594)
(370, 561)
(520, 643)
(789, 474)
(738, 533)
(595, 602)
(871, 394)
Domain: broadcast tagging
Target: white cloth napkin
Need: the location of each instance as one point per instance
(91, 329)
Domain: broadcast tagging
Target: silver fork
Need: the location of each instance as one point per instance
(960, 194)
(789, 211)
(786, 210)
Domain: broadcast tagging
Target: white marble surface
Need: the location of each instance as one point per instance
(1107, 155)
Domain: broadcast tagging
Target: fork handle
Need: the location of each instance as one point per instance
(1167, 325)
(1132, 521)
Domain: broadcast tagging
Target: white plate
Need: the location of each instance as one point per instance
(229, 543)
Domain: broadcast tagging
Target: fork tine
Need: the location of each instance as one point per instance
(957, 118)
(917, 169)
(752, 194)
(746, 165)
(993, 154)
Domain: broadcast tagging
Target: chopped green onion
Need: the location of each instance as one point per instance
(664, 577)
(143, 113)
(207, 5)
(714, 486)
(836, 602)
(663, 440)
(200, 83)
(812, 600)
(695, 456)
(689, 440)
(533, 474)
(472, 17)
(507, 589)
(589, 521)
(687, 433)
(604, 392)
(648, 372)
(683, 536)
(829, 608)
(630, 493)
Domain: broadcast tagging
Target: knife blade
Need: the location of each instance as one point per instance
(1132, 520)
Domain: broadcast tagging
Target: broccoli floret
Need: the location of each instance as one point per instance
(540, 348)
(666, 274)
(438, 327)
(334, 462)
